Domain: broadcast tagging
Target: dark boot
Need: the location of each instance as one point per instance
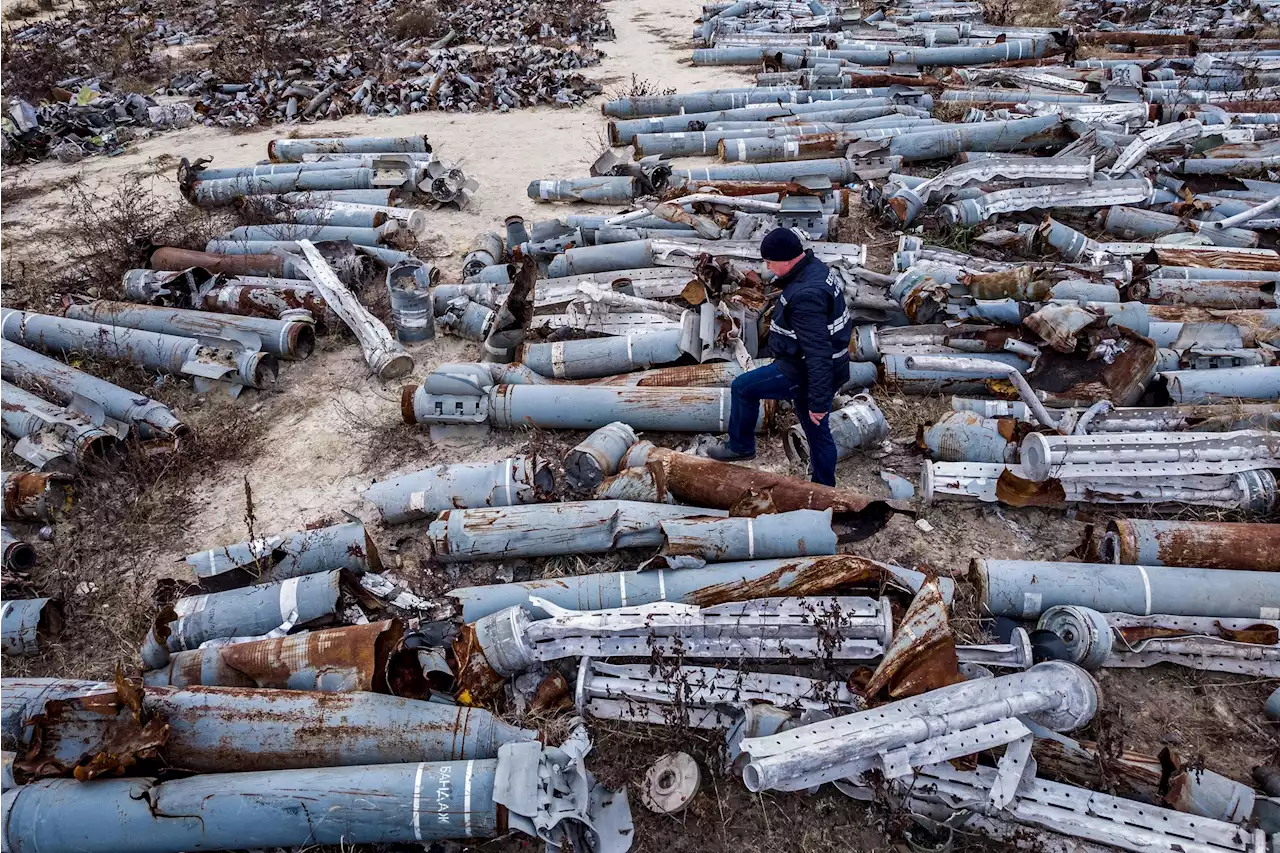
(724, 453)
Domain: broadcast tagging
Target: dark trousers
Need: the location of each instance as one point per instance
(770, 383)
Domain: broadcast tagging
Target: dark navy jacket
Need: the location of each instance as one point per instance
(810, 331)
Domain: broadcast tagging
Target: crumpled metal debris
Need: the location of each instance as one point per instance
(389, 59)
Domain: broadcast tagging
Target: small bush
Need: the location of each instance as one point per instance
(422, 22)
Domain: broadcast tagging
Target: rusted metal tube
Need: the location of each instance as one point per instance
(235, 729)
(1210, 544)
(247, 299)
(33, 495)
(170, 258)
(335, 660)
(701, 481)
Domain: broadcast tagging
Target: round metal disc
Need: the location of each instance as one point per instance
(1084, 631)
(671, 783)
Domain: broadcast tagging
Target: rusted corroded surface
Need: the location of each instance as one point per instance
(1015, 491)
(710, 375)
(553, 694)
(1229, 293)
(406, 404)
(1022, 283)
(822, 576)
(357, 655)
(922, 656)
(1260, 634)
(478, 682)
(123, 735)
(1135, 775)
(698, 481)
(1136, 39)
(1204, 544)
(1069, 379)
(646, 483)
(1221, 259)
(169, 258)
(319, 725)
(1255, 325)
(268, 302)
(35, 495)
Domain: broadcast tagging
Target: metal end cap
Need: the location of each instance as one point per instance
(1035, 457)
(1078, 692)
(1083, 631)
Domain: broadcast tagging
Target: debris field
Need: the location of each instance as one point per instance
(1039, 608)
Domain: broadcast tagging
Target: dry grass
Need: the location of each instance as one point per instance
(101, 562)
(104, 234)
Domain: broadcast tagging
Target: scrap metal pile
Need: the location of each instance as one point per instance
(1109, 373)
(226, 316)
(214, 63)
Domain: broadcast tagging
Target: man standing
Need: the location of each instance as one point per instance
(809, 341)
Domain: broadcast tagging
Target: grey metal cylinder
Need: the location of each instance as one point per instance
(507, 482)
(380, 197)
(361, 804)
(800, 533)
(51, 436)
(27, 623)
(605, 190)
(290, 339)
(1215, 386)
(19, 556)
(591, 259)
(594, 357)
(248, 612)
(274, 558)
(838, 170)
(587, 407)
(711, 583)
(598, 455)
(297, 220)
(857, 425)
(224, 191)
(485, 251)
(165, 353)
(316, 233)
(1024, 589)
(409, 288)
(217, 729)
(293, 150)
(543, 530)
